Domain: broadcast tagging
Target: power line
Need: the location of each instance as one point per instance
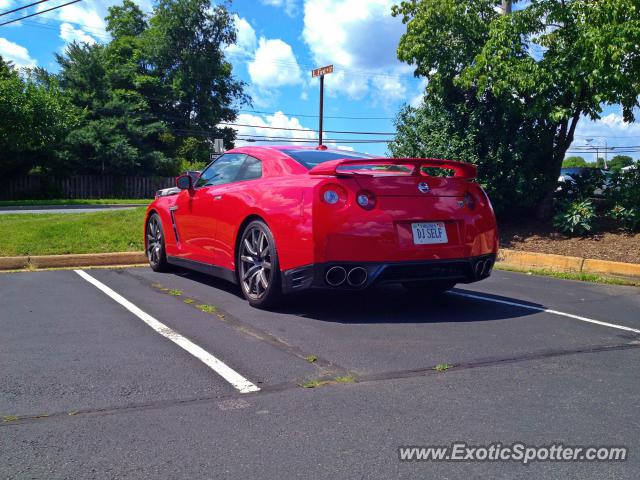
(304, 129)
(316, 116)
(40, 12)
(22, 8)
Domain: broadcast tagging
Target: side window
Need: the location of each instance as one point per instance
(224, 170)
(251, 169)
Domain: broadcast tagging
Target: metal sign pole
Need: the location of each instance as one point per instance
(321, 72)
(321, 108)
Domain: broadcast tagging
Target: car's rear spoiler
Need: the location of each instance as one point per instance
(462, 170)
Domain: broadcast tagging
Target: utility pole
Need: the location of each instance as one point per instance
(506, 7)
(321, 72)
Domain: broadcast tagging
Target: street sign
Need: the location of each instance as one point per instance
(318, 72)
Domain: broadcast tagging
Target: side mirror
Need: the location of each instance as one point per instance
(184, 182)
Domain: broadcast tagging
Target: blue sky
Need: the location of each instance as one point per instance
(279, 42)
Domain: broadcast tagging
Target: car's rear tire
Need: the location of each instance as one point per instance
(258, 266)
(155, 245)
(427, 289)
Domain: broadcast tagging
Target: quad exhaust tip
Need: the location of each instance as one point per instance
(357, 277)
(336, 276)
(483, 267)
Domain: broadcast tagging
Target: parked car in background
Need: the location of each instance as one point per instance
(572, 179)
(286, 219)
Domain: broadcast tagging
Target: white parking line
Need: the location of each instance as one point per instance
(546, 310)
(234, 378)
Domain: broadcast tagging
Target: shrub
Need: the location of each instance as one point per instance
(628, 218)
(575, 218)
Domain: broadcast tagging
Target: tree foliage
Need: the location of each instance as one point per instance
(619, 162)
(35, 116)
(534, 72)
(149, 99)
(574, 162)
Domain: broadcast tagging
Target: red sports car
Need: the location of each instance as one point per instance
(278, 220)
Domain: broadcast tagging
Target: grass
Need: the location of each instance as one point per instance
(63, 233)
(175, 292)
(582, 277)
(442, 367)
(311, 358)
(314, 383)
(207, 308)
(105, 201)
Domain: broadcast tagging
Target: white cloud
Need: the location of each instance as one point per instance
(4, 4)
(389, 89)
(279, 120)
(417, 100)
(70, 34)
(611, 128)
(16, 53)
(274, 65)
(245, 39)
(360, 37)
(290, 6)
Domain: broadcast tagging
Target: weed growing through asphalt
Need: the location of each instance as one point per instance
(188, 301)
(442, 367)
(174, 292)
(207, 308)
(9, 418)
(311, 358)
(315, 383)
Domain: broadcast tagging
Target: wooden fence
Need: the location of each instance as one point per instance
(82, 186)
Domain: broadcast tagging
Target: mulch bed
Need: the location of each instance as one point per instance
(537, 236)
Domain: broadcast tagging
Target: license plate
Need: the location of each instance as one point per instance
(428, 233)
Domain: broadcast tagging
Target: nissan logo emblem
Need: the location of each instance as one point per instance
(423, 187)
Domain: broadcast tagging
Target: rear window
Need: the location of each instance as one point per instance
(312, 158)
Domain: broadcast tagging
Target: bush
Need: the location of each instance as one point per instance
(576, 218)
(627, 218)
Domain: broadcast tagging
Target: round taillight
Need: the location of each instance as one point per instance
(331, 197)
(366, 200)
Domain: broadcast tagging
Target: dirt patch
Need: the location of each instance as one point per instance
(541, 237)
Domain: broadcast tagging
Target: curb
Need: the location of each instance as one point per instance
(77, 260)
(559, 263)
(506, 258)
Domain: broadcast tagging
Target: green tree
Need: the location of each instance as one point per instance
(159, 83)
(574, 162)
(35, 118)
(620, 161)
(185, 43)
(547, 64)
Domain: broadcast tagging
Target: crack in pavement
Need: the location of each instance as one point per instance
(325, 367)
(280, 387)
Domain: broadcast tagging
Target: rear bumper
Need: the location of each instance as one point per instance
(459, 270)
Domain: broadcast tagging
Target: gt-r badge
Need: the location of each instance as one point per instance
(423, 187)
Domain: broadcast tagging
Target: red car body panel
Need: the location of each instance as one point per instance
(203, 225)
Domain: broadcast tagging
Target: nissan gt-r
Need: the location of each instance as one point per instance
(282, 219)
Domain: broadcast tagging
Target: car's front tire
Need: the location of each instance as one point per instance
(155, 245)
(427, 289)
(258, 266)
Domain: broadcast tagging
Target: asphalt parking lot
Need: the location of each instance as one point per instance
(127, 373)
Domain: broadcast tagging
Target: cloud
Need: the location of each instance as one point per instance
(245, 39)
(70, 34)
(274, 65)
(360, 37)
(5, 4)
(611, 128)
(416, 101)
(16, 53)
(279, 120)
(290, 6)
